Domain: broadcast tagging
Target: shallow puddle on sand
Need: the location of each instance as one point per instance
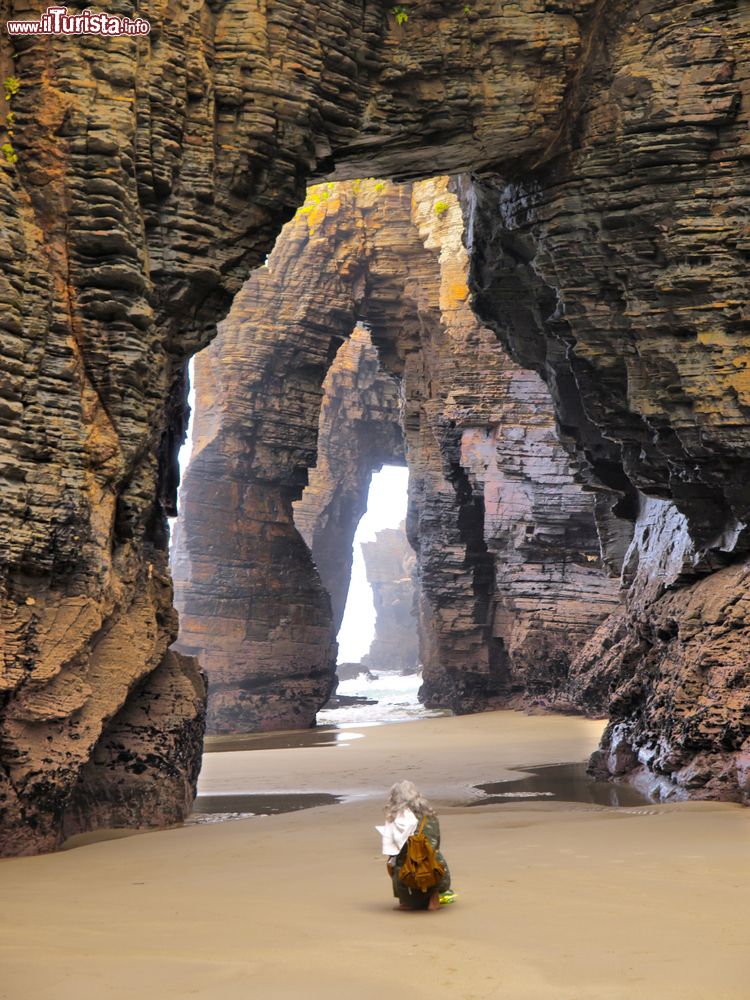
(268, 804)
(292, 740)
(560, 783)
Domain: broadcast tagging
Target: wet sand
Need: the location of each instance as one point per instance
(557, 901)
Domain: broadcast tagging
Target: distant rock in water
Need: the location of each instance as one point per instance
(347, 701)
(350, 671)
(390, 564)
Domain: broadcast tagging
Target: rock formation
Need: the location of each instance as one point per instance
(359, 431)
(390, 565)
(251, 600)
(141, 180)
(511, 583)
(508, 573)
(619, 271)
(147, 177)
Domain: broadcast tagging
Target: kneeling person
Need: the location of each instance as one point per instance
(418, 870)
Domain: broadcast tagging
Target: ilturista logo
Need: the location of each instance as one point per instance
(58, 21)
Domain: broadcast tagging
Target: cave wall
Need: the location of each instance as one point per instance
(509, 577)
(619, 271)
(390, 565)
(151, 174)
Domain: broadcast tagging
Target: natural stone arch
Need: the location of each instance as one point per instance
(359, 432)
(259, 608)
(150, 178)
(484, 465)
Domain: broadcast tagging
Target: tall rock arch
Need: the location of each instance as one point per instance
(150, 175)
(509, 579)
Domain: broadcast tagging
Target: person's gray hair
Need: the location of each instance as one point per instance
(406, 795)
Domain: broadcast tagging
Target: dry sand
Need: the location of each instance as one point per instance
(556, 901)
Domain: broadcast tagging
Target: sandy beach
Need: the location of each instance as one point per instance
(566, 901)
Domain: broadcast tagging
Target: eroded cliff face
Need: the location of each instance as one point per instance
(619, 271)
(508, 573)
(261, 614)
(148, 176)
(671, 669)
(536, 588)
(390, 564)
(151, 174)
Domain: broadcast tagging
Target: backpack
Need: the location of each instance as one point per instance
(421, 870)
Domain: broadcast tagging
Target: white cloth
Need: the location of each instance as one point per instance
(397, 831)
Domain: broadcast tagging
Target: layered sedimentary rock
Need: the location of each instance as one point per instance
(145, 764)
(390, 565)
(251, 601)
(671, 669)
(359, 432)
(508, 572)
(536, 585)
(147, 175)
(619, 270)
(258, 611)
(141, 179)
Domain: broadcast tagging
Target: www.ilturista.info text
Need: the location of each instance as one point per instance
(57, 21)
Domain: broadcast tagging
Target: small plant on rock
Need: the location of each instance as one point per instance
(11, 86)
(441, 207)
(401, 14)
